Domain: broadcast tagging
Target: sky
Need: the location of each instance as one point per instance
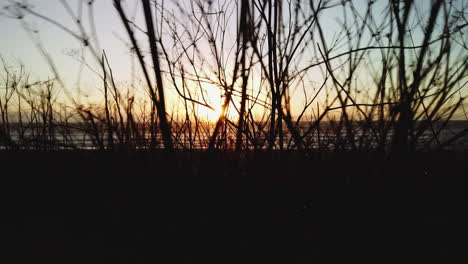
(17, 46)
(20, 48)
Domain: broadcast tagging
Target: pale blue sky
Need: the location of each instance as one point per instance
(17, 44)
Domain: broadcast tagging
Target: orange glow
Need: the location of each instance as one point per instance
(212, 96)
(208, 114)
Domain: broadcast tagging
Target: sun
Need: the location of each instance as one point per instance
(212, 97)
(209, 115)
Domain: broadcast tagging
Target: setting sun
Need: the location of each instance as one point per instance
(215, 100)
(212, 95)
(210, 115)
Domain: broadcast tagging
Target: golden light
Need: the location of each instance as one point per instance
(212, 96)
(209, 115)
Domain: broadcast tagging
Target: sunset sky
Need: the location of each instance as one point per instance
(20, 47)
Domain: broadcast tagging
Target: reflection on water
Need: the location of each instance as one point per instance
(328, 137)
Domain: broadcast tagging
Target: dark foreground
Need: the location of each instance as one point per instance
(90, 207)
